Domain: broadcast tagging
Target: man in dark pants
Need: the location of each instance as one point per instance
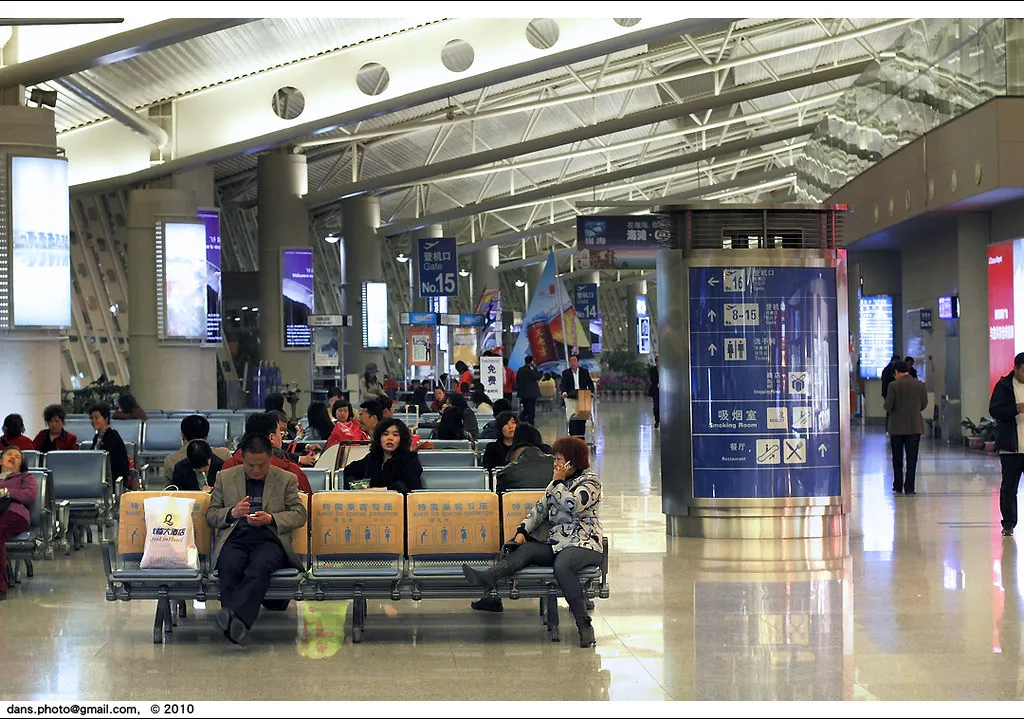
(654, 390)
(254, 509)
(1007, 408)
(526, 382)
(906, 399)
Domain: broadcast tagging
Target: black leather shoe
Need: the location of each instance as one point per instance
(232, 627)
(1007, 532)
(482, 579)
(910, 493)
(587, 636)
(488, 604)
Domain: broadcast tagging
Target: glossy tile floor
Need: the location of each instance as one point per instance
(926, 604)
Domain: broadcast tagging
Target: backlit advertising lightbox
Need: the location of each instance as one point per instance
(40, 224)
(185, 280)
(211, 220)
(1005, 306)
(297, 296)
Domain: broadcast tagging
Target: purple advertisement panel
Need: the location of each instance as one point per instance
(211, 218)
(297, 296)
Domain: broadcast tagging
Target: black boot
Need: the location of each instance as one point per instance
(586, 629)
(487, 579)
(488, 604)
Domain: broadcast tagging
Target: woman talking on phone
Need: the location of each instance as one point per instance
(571, 503)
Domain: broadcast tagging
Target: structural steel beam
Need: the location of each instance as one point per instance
(115, 108)
(608, 127)
(543, 193)
(246, 124)
(112, 48)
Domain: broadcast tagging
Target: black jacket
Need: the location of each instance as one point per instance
(185, 479)
(496, 455)
(568, 386)
(526, 380)
(1003, 408)
(888, 375)
(402, 473)
(117, 452)
(653, 380)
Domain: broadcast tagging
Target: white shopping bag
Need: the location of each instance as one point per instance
(170, 535)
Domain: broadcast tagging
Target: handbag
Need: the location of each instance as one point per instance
(170, 534)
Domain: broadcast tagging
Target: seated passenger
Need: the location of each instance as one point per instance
(440, 397)
(496, 454)
(387, 407)
(320, 424)
(265, 424)
(390, 463)
(54, 436)
(468, 415)
(14, 433)
(346, 426)
(254, 508)
(450, 425)
(480, 400)
(18, 491)
(571, 505)
(108, 439)
(199, 468)
(128, 408)
(489, 431)
(193, 427)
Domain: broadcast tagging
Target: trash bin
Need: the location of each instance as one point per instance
(949, 419)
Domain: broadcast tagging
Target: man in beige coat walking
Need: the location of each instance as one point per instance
(906, 399)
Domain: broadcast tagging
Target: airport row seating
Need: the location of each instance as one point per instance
(357, 545)
(25, 548)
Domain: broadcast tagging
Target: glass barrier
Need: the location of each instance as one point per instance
(938, 70)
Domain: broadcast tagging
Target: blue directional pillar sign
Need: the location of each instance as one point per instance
(438, 262)
(765, 382)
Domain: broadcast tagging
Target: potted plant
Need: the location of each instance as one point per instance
(974, 440)
(987, 430)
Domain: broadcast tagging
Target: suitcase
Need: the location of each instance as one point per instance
(577, 428)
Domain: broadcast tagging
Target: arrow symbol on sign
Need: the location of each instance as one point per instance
(712, 315)
(712, 349)
(823, 450)
(713, 281)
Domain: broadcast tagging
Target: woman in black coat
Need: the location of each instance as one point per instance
(497, 452)
(390, 464)
(108, 439)
(198, 458)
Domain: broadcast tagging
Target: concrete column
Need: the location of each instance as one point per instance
(283, 223)
(429, 232)
(162, 375)
(361, 262)
(972, 286)
(484, 274)
(31, 359)
(200, 183)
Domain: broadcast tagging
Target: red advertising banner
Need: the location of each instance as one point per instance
(1001, 335)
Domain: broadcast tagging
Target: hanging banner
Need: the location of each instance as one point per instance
(630, 242)
(489, 305)
(325, 342)
(438, 262)
(492, 374)
(421, 346)
(550, 309)
(463, 345)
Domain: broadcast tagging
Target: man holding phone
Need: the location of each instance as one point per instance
(1007, 408)
(254, 508)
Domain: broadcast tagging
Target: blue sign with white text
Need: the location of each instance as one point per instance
(438, 262)
(764, 360)
(422, 318)
(585, 301)
(624, 242)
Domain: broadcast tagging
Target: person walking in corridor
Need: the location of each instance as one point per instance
(1007, 407)
(906, 399)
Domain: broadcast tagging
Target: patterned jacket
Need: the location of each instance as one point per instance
(571, 507)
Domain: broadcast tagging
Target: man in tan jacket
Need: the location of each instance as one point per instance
(906, 399)
(254, 508)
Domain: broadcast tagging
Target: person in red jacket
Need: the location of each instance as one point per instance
(510, 381)
(265, 424)
(18, 490)
(54, 436)
(14, 433)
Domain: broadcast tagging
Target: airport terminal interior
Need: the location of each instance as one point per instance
(744, 260)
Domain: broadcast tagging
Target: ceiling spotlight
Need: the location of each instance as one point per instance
(402, 257)
(331, 239)
(245, 308)
(520, 283)
(238, 319)
(43, 97)
(463, 273)
(255, 309)
(113, 309)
